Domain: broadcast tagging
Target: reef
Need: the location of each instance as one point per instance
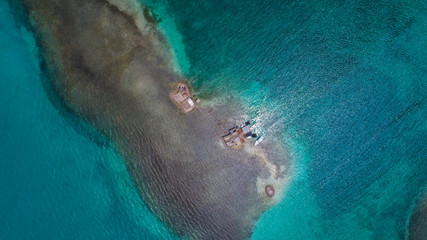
(417, 227)
(112, 68)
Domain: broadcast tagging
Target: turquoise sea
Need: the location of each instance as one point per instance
(341, 84)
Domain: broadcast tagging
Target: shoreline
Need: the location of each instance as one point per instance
(175, 160)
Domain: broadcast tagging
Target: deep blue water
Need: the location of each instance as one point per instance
(342, 85)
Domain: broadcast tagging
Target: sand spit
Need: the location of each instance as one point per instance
(112, 68)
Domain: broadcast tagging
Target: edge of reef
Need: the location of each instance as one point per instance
(278, 173)
(186, 193)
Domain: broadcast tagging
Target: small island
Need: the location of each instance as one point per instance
(195, 185)
(234, 138)
(182, 98)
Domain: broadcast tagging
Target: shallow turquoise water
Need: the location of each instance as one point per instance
(55, 182)
(343, 85)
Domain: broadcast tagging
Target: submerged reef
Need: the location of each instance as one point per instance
(112, 68)
(417, 227)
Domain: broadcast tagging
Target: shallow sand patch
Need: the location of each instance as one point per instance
(113, 70)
